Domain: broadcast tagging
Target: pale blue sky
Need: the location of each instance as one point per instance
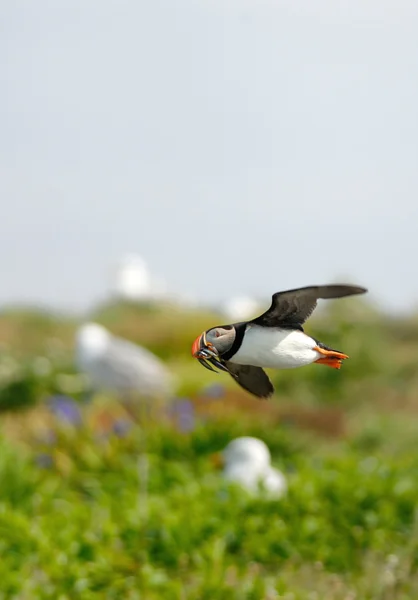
(239, 147)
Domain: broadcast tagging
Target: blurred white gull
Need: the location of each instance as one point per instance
(117, 365)
(240, 308)
(248, 462)
(134, 282)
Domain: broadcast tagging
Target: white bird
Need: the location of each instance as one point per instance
(134, 282)
(117, 365)
(247, 462)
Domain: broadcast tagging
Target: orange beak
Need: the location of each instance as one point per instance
(206, 354)
(198, 344)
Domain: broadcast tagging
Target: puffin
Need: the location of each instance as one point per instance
(276, 339)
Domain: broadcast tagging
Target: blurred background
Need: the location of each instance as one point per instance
(164, 168)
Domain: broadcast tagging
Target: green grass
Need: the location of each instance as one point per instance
(78, 520)
(80, 527)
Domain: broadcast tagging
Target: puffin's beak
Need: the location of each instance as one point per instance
(198, 345)
(206, 354)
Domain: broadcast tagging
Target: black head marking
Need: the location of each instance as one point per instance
(239, 329)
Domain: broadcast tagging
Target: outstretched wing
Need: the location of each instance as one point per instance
(292, 308)
(252, 379)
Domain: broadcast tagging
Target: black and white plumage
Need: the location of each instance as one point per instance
(275, 339)
(117, 365)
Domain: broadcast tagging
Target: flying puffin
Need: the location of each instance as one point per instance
(274, 340)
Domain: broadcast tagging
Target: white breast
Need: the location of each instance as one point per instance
(275, 348)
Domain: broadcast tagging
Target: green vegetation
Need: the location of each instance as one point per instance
(83, 514)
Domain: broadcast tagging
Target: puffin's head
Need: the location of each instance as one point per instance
(211, 344)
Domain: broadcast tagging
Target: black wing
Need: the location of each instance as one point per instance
(252, 379)
(293, 307)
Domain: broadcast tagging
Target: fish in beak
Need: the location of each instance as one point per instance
(207, 354)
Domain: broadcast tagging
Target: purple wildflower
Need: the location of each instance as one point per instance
(185, 413)
(44, 461)
(121, 427)
(215, 390)
(65, 409)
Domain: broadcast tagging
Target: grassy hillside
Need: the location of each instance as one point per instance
(84, 515)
